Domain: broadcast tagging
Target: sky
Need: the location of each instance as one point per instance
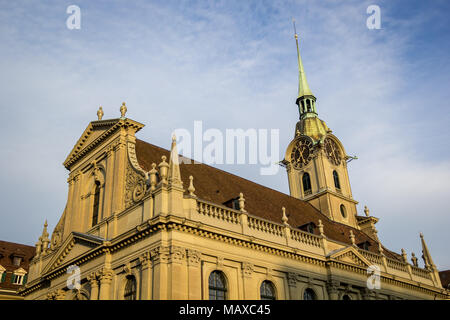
(233, 64)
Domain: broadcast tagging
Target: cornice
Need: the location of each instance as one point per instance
(168, 223)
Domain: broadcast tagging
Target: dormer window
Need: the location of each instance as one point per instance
(232, 203)
(309, 227)
(17, 261)
(19, 277)
(364, 245)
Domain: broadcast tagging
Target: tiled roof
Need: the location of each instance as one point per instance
(7, 251)
(445, 278)
(218, 186)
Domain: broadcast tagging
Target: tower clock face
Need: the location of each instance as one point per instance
(301, 153)
(332, 151)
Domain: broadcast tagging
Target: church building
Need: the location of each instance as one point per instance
(141, 224)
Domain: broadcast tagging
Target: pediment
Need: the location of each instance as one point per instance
(74, 246)
(95, 133)
(350, 255)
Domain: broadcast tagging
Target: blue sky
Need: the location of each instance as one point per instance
(232, 64)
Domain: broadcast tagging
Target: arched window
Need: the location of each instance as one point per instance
(306, 180)
(267, 290)
(309, 294)
(343, 211)
(302, 106)
(217, 286)
(96, 203)
(336, 180)
(346, 297)
(130, 288)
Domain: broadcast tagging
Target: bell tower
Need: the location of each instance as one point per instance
(316, 161)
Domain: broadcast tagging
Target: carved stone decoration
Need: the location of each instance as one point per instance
(292, 278)
(247, 269)
(178, 254)
(135, 187)
(133, 159)
(56, 240)
(220, 262)
(333, 289)
(145, 259)
(106, 275)
(160, 254)
(194, 257)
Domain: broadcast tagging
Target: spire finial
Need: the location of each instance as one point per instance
(242, 202)
(321, 228)
(191, 187)
(426, 256)
(366, 211)
(100, 113)
(123, 110)
(174, 176)
(352, 238)
(303, 87)
(284, 218)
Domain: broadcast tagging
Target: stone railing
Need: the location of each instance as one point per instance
(397, 265)
(256, 224)
(372, 257)
(420, 272)
(305, 237)
(221, 213)
(265, 226)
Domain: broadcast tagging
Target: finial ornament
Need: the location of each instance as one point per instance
(153, 179)
(242, 202)
(100, 113)
(123, 110)
(163, 169)
(366, 211)
(284, 218)
(352, 238)
(321, 228)
(191, 188)
(404, 256)
(414, 260)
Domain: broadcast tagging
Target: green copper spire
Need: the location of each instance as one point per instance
(303, 87)
(306, 101)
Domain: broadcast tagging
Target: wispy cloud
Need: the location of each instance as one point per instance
(232, 65)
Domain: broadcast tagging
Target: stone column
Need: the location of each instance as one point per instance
(333, 290)
(120, 161)
(249, 290)
(105, 284)
(178, 276)
(366, 294)
(194, 275)
(146, 276)
(109, 182)
(160, 258)
(92, 278)
(292, 284)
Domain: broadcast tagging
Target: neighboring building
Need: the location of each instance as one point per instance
(142, 225)
(445, 278)
(14, 262)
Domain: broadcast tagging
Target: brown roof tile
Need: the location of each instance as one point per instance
(445, 278)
